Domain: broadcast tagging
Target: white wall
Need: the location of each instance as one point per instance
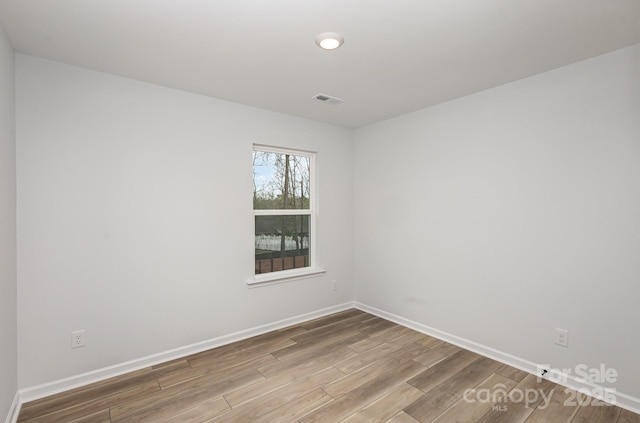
(135, 218)
(8, 324)
(8, 316)
(502, 215)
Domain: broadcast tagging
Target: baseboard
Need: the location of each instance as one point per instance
(51, 388)
(570, 381)
(14, 410)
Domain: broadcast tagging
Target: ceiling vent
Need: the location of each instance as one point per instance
(328, 99)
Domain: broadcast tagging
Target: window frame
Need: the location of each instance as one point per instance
(302, 272)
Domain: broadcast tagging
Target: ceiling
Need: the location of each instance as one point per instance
(398, 56)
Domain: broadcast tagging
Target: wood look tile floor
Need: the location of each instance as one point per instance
(346, 367)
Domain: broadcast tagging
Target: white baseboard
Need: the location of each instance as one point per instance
(51, 388)
(570, 381)
(14, 410)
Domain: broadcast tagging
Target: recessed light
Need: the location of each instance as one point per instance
(329, 40)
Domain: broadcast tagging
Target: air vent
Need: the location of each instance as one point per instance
(328, 99)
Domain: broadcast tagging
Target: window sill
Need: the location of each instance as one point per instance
(284, 276)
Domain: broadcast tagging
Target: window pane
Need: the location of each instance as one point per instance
(280, 181)
(282, 243)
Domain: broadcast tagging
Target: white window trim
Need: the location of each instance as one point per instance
(265, 279)
(314, 270)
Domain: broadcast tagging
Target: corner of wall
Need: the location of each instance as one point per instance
(14, 409)
(8, 275)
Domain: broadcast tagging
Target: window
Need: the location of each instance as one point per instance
(283, 208)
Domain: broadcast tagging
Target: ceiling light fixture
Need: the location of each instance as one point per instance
(329, 40)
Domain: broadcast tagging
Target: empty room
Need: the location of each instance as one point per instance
(320, 211)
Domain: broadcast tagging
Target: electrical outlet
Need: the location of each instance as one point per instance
(562, 337)
(77, 339)
(334, 285)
